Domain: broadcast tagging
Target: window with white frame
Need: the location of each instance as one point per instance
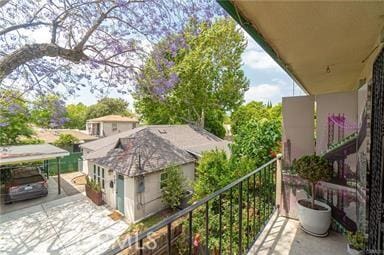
(98, 175)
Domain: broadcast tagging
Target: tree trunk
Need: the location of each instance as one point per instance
(313, 195)
(35, 51)
(202, 118)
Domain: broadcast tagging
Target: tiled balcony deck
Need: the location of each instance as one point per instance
(283, 236)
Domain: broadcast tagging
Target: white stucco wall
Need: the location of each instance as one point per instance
(129, 199)
(149, 202)
(106, 128)
(85, 167)
(138, 206)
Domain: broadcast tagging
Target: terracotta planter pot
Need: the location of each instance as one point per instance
(95, 196)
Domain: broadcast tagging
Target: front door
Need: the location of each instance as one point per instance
(120, 193)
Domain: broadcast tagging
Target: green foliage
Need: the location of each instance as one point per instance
(108, 106)
(213, 173)
(356, 240)
(14, 118)
(258, 140)
(77, 114)
(48, 111)
(216, 170)
(173, 186)
(30, 140)
(210, 78)
(257, 132)
(313, 168)
(254, 111)
(66, 140)
(93, 184)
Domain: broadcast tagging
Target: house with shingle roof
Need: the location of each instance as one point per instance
(51, 135)
(130, 165)
(110, 125)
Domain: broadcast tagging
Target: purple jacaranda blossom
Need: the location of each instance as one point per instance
(14, 108)
(169, 64)
(3, 124)
(173, 48)
(118, 45)
(174, 79)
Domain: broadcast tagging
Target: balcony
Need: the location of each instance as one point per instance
(284, 236)
(241, 218)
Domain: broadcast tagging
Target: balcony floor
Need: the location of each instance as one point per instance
(283, 236)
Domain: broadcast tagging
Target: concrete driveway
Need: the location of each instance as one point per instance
(70, 225)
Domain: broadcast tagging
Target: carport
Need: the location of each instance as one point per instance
(16, 154)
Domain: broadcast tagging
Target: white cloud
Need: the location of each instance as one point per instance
(264, 93)
(256, 58)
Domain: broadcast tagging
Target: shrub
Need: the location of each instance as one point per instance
(66, 140)
(313, 169)
(173, 186)
(356, 240)
(93, 184)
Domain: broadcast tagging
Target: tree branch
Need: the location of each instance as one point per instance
(26, 25)
(35, 51)
(3, 2)
(98, 22)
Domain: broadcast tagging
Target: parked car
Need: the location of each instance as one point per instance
(25, 183)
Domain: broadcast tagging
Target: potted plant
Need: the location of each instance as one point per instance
(93, 191)
(356, 243)
(314, 216)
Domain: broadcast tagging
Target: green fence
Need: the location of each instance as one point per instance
(70, 163)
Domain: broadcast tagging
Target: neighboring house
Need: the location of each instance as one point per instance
(51, 135)
(110, 125)
(129, 166)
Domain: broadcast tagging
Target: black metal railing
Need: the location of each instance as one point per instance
(227, 221)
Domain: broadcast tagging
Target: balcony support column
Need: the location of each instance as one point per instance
(278, 180)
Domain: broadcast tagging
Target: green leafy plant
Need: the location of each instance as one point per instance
(14, 118)
(356, 240)
(66, 140)
(172, 186)
(197, 84)
(93, 184)
(313, 168)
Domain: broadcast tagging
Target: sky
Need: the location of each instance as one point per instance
(268, 81)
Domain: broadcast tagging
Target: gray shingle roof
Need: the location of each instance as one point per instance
(169, 144)
(143, 152)
(109, 141)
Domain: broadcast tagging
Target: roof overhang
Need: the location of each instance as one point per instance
(324, 46)
(27, 153)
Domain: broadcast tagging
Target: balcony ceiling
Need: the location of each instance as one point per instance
(308, 37)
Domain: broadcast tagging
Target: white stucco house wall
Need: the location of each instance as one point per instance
(110, 125)
(129, 165)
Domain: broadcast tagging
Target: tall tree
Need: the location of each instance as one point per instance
(197, 83)
(14, 118)
(50, 43)
(108, 106)
(257, 129)
(77, 116)
(49, 111)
